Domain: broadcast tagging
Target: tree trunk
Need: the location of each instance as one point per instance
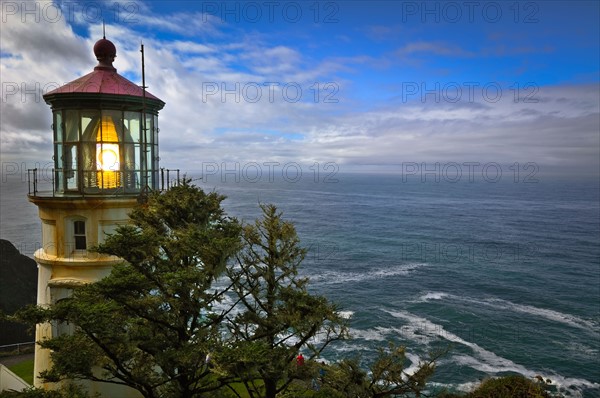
(270, 388)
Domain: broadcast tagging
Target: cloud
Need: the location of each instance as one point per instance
(232, 124)
(191, 47)
(560, 129)
(188, 24)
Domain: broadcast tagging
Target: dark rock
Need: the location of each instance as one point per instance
(18, 288)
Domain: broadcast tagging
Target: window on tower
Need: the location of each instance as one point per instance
(79, 235)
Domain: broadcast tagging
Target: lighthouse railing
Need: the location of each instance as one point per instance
(169, 178)
(32, 181)
(67, 182)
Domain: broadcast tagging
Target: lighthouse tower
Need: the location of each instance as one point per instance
(105, 131)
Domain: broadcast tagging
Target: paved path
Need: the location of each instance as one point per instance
(13, 360)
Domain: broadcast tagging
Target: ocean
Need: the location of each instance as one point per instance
(506, 274)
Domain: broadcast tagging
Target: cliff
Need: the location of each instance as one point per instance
(18, 287)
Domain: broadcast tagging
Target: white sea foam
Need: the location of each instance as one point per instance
(433, 296)
(552, 315)
(463, 387)
(378, 333)
(414, 363)
(496, 303)
(581, 350)
(351, 347)
(424, 328)
(335, 277)
(484, 360)
(492, 364)
(346, 314)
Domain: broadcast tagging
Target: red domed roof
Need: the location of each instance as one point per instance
(104, 79)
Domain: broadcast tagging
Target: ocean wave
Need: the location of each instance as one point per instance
(463, 387)
(496, 303)
(346, 314)
(568, 386)
(422, 328)
(433, 296)
(485, 360)
(378, 333)
(580, 350)
(336, 277)
(415, 360)
(567, 319)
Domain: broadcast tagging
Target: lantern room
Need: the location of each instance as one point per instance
(105, 132)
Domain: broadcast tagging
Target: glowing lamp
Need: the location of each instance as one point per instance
(107, 155)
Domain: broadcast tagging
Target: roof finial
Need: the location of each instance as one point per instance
(103, 29)
(105, 52)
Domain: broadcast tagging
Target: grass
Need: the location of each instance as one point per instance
(24, 370)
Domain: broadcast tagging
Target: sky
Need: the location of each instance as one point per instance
(360, 86)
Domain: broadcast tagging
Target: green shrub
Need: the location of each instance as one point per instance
(515, 386)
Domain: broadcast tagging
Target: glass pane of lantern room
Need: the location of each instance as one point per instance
(132, 126)
(131, 135)
(155, 141)
(70, 169)
(72, 126)
(109, 150)
(89, 124)
(155, 158)
(148, 136)
(138, 166)
(58, 126)
(131, 179)
(113, 119)
(156, 167)
(58, 166)
(58, 156)
(149, 163)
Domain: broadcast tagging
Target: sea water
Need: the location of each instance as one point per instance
(505, 274)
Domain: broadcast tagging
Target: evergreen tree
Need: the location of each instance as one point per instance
(386, 377)
(277, 318)
(149, 324)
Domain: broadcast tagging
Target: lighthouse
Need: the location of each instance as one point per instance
(105, 138)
